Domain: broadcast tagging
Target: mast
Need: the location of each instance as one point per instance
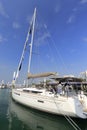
(32, 37)
(30, 31)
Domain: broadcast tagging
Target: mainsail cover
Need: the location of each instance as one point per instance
(40, 75)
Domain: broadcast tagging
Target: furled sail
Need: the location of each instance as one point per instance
(40, 75)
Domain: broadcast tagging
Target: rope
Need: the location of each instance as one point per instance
(75, 126)
(56, 49)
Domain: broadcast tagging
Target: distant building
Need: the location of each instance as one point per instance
(84, 75)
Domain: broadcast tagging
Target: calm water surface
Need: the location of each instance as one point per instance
(16, 117)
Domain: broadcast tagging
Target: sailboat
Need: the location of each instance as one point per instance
(41, 98)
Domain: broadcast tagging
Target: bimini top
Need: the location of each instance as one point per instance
(66, 79)
(40, 75)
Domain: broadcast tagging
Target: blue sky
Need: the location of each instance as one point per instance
(61, 35)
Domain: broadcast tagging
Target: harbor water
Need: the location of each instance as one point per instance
(14, 116)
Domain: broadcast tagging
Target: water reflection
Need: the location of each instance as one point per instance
(3, 109)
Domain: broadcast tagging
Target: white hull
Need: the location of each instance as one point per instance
(37, 120)
(83, 99)
(60, 105)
